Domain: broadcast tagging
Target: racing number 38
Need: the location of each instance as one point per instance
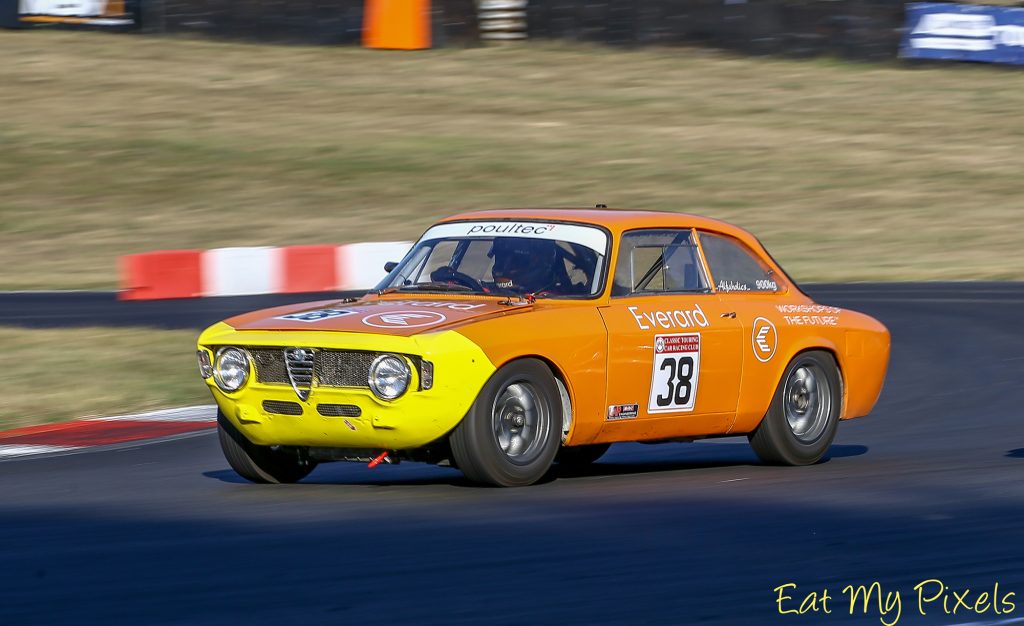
(675, 375)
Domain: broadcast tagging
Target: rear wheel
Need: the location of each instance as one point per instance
(801, 422)
(259, 464)
(510, 435)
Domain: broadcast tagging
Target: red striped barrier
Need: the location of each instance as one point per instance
(162, 274)
(255, 270)
(309, 268)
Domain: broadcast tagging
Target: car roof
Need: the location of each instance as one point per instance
(618, 221)
(615, 220)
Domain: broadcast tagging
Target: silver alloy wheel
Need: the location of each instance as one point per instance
(807, 402)
(521, 423)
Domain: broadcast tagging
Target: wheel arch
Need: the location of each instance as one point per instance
(751, 413)
(830, 349)
(476, 445)
(561, 381)
(776, 440)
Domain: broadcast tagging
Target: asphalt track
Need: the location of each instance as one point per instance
(927, 487)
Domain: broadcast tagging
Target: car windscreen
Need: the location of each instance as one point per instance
(504, 258)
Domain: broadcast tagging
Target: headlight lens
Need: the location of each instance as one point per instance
(231, 368)
(389, 376)
(205, 367)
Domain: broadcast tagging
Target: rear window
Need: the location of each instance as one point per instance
(734, 267)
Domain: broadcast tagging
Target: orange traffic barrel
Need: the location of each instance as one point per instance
(397, 24)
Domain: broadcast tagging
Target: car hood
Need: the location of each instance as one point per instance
(385, 317)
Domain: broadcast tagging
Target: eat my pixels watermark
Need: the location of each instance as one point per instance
(890, 605)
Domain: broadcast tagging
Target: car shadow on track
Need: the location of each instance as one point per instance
(1016, 454)
(713, 456)
(622, 459)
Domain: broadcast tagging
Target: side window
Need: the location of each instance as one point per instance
(658, 261)
(734, 267)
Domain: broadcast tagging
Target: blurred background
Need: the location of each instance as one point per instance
(160, 158)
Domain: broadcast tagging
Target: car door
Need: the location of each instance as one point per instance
(747, 284)
(673, 346)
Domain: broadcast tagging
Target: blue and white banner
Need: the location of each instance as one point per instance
(962, 32)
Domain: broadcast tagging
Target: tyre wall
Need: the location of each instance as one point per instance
(296, 21)
(858, 29)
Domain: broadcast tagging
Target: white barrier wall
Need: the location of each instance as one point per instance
(361, 265)
(240, 271)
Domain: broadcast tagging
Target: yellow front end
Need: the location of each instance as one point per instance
(418, 417)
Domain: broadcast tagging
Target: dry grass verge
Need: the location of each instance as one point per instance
(68, 373)
(120, 144)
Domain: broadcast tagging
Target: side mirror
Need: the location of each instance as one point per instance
(390, 265)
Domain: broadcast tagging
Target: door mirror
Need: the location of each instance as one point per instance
(390, 265)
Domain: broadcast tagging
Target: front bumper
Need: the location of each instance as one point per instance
(411, 421)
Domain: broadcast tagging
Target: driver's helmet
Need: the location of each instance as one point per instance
(524, 265)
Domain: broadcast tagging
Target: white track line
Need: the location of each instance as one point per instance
(28, 450)
(205, 413)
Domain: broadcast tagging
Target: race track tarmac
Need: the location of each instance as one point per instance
(930, 486)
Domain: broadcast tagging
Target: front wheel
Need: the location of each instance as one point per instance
(259, 464)
(801, 422)
(510, 435)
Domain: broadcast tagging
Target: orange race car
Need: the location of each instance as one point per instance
(506, 341)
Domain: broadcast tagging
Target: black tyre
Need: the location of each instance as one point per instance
(801, 422)
(260, 464)
(512, 432)
(580, 456)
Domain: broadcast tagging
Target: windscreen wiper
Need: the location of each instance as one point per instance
(436, 286)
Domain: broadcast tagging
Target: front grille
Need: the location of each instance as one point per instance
(300, 364)
(331, 368)
(282, 408)
(269, 365)
(339, 410)
(324, 368)
(337, 368)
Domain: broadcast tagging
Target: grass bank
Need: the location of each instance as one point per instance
(117, 144)
(62, 374)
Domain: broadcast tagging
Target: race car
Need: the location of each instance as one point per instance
(507, 341)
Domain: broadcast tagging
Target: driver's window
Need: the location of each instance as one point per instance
(658, 261)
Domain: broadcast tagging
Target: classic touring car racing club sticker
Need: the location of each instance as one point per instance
(675, 375)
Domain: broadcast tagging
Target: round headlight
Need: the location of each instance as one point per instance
(231, 368)
(389, 376)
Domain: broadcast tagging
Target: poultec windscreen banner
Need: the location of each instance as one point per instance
(960, 32)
